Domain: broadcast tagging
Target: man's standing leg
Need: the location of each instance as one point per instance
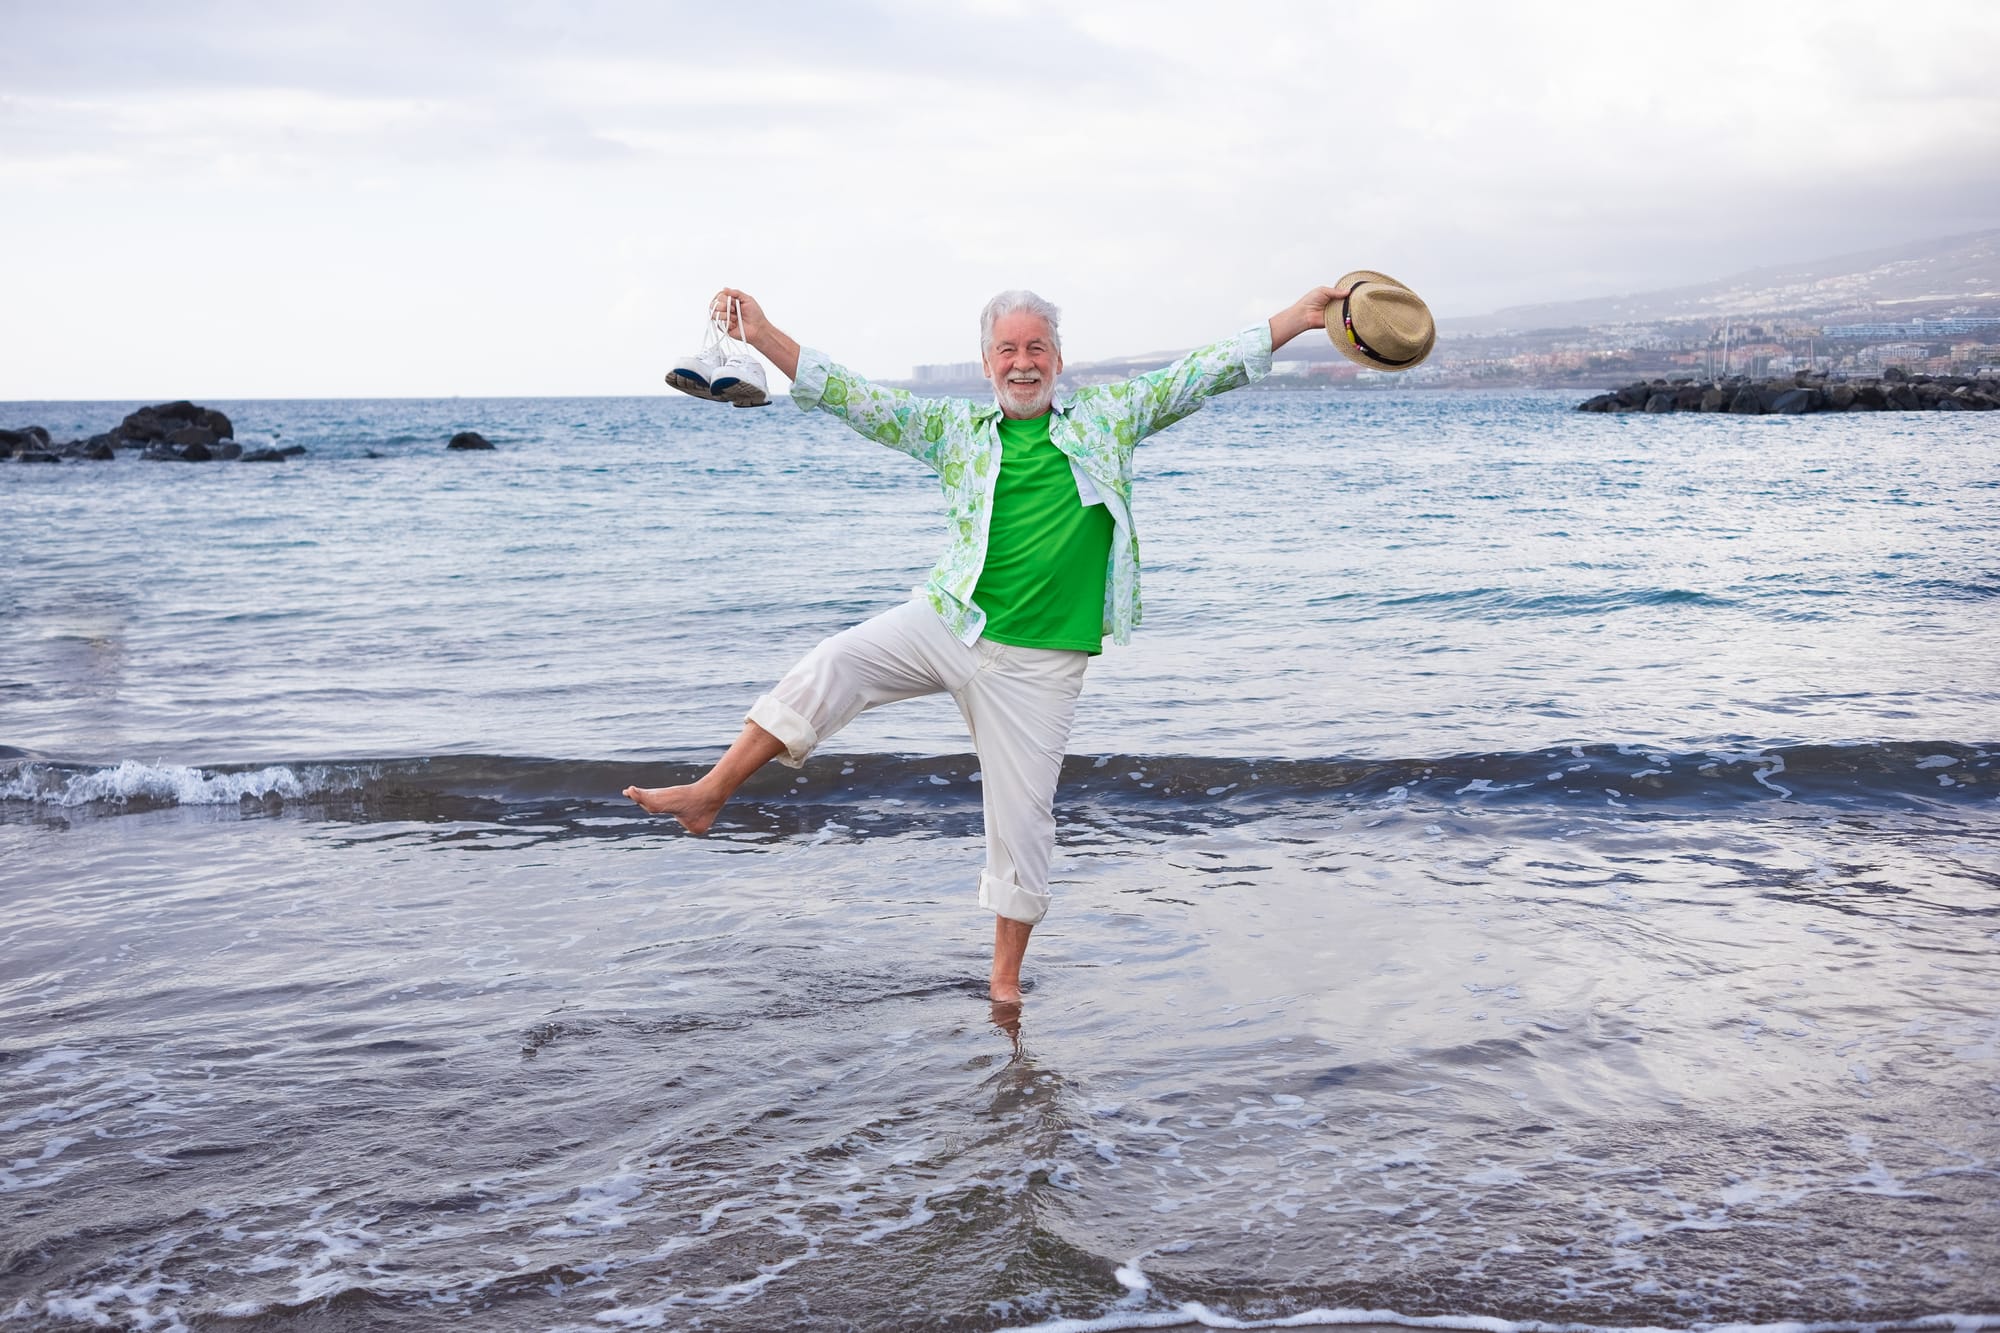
(1018, 708)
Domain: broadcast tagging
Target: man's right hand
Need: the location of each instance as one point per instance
(743, 318)
(739, 312)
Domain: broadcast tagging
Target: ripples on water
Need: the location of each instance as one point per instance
(1326, 575)
(1529, 867)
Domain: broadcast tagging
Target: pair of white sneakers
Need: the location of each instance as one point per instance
(725, 370)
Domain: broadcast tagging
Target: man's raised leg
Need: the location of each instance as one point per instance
(899, 654)
(697, 804)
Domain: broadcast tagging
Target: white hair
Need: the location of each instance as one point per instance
(1014, 302)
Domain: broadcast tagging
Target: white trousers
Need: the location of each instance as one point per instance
(1017, 703)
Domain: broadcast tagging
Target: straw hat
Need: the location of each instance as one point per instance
(1382, 324)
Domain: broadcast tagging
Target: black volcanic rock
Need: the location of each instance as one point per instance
(25, 442)
(141, 428)
(469, 439)
(162, 420)
(1806, 391)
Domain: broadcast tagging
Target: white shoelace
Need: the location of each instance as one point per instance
(718, 340)
(714, 339)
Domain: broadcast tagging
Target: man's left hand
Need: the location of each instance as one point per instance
(1308, 312)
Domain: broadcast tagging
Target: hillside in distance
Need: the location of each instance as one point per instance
(1952, 274)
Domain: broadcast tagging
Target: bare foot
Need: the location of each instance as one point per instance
(1003, 990)
(692, 805)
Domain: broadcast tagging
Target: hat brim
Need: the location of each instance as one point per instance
(1337, 335)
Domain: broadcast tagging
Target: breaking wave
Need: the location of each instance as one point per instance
(1858, 775)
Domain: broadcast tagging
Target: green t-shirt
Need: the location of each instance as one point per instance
(1042, 585)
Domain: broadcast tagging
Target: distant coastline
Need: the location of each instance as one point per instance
(1929, 308)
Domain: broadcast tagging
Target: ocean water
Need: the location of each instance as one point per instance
(1530, 870)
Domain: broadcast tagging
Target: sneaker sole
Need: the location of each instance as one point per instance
(690, 383)
(740, 392)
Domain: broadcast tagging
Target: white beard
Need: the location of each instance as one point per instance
(1014, 397)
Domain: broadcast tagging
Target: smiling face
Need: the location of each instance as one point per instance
(1023, 364)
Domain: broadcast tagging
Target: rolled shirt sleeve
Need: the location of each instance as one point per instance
(809, 385)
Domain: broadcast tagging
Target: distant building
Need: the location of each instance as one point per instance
(949, 372)
(1914, 331)
(1906, 355)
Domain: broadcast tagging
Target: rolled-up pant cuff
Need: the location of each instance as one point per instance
(1013, 901)
(788, 725)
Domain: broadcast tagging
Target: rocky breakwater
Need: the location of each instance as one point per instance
(179, 432)
(1796, 394)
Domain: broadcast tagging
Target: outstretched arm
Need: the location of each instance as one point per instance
(744, 319)
(1308, 312)
(1159, 398)
(895, 417)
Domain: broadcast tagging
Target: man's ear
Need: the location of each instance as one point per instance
(1058, 363)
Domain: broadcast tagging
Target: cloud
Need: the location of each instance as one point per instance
(1163, 171)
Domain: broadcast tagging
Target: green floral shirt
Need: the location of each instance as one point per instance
(1097, 426)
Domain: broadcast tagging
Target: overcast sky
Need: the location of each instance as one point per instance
(269, 200)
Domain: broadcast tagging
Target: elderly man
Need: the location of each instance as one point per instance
(1042, 564)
